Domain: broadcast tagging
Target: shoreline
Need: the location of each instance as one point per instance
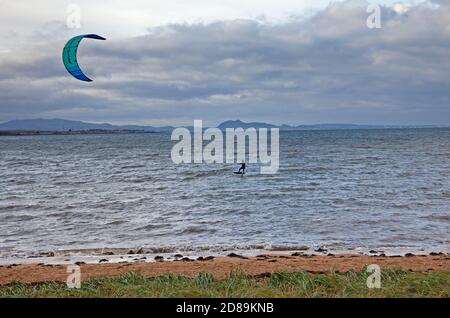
(222, 266)
(121, 254)
(168, 253)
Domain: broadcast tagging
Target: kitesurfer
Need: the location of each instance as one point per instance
(242, 168)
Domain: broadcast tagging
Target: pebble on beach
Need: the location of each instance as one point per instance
(237, 256)
(436, 254)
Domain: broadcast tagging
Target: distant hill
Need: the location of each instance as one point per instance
(61, 125)
(238, 123)
(241, 124)
(66, 125)
(334, 126)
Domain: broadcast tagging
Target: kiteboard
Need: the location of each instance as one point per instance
(241, 173)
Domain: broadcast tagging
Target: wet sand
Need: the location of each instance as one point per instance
(221, 267)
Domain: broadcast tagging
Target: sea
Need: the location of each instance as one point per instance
(338, 190)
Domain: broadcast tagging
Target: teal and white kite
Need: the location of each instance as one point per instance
(70, 56)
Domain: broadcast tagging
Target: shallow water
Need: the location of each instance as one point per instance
(341, 189)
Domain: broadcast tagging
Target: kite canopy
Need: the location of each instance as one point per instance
(70, 56)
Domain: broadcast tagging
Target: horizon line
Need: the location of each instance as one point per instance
(233, 120)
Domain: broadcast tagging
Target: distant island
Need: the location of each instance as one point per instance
(70, 132)
(63, 125)
(27, 127)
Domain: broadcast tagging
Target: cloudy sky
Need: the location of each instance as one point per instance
(279, 61)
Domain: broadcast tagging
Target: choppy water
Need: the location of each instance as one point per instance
(342, 189)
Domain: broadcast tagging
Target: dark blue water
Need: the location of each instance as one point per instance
(342, 189)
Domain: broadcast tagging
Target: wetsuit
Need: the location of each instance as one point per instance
(242, 167)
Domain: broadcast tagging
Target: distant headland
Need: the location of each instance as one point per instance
(56, 126)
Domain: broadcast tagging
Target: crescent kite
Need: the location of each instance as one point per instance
(69, 56)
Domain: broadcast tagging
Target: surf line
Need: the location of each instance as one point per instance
(212, 145)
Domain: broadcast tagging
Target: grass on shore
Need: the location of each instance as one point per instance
(395, 283)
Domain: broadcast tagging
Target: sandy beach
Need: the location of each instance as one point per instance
(221, 267)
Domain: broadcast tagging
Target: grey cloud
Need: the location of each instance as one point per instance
(329, 68)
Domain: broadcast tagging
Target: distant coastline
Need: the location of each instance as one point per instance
(70, 132)
(33, 127)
